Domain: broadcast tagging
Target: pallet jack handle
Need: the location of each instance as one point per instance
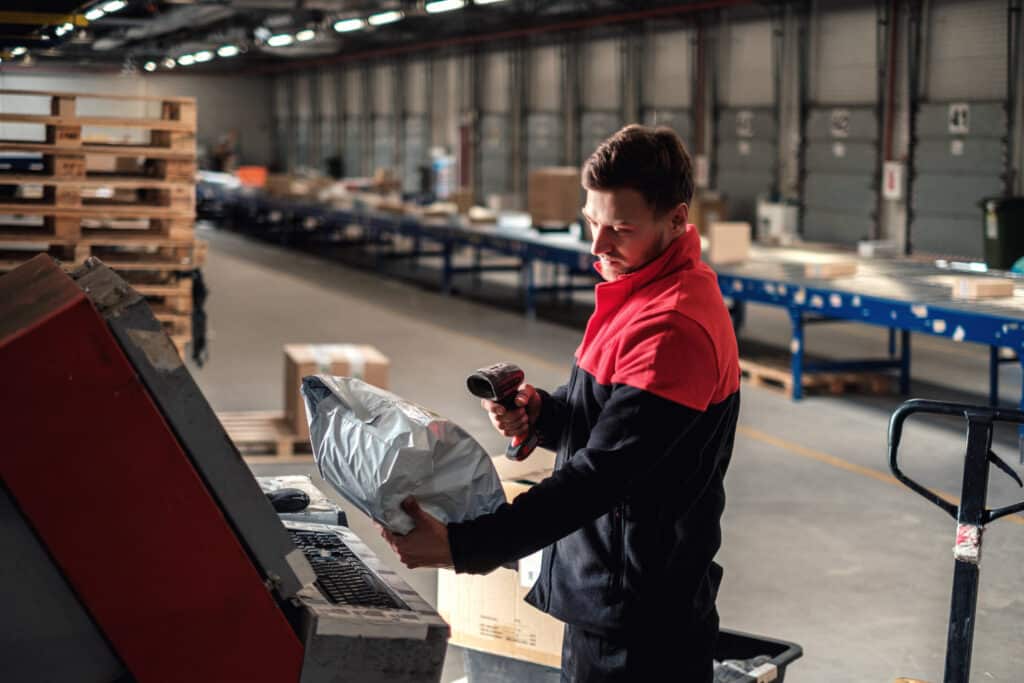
(981, 418)
(971, 514)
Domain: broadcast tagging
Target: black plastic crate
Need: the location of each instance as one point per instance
(483, 667)
(738, 645)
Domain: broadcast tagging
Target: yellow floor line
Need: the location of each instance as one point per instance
(841, 464)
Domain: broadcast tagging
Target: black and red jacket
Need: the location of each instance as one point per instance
(630, 518)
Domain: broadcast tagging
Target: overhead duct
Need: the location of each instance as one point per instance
(178, 18)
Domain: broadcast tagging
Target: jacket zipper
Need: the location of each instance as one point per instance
(566, 435)
(619, 529)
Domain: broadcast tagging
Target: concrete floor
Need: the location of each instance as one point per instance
(821, 546)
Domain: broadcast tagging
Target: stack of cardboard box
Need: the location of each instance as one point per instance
(553, 195)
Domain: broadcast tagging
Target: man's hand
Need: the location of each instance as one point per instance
(515, 422)
(426, 545)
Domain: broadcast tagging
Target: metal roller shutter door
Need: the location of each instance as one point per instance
(840, 190)
(961, 129)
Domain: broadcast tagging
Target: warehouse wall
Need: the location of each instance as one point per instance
(795, 107)
(225, 102)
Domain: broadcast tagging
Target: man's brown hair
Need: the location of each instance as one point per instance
(652, 161)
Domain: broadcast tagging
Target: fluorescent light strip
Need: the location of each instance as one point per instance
(227, 50)
(186, 60)
(444, 6)
(94, 14)
(280, 40)
(113, 6)
(305, 34)
(385, 18)
(346, 25)
(203, 56)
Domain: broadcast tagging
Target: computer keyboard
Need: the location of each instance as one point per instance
(340, 574)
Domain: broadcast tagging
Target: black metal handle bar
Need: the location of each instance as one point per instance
(978, 414)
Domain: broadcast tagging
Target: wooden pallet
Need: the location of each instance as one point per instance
(126, 231)
(156, 255)
(121, 188)
(265, 437)
(773, 371)
(69, 197)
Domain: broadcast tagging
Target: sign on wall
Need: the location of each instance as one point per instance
(745, 124)
(959, 118)
(840, 123)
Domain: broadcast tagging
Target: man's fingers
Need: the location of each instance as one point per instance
(492, 407)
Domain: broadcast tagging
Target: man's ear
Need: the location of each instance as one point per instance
(679, 216)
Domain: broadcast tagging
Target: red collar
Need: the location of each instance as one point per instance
(683, 252)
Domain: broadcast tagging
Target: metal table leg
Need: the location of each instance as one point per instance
(993, 376)
(796, 348)
(904, 362)
(529, 288)
(446, 268)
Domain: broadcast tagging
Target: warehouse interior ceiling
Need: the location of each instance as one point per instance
(226, 35)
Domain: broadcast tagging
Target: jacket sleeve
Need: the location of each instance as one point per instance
(554, 413)
(635, 431)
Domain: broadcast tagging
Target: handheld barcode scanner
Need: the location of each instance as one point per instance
(500, 383)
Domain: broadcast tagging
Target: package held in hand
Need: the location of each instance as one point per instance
(376, 449)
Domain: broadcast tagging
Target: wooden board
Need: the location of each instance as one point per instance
(770, 368)
(95, 211)
(263, 436)
(97, 96)
(177, 257)
(91, 181)
(100, 121)
(147, 151)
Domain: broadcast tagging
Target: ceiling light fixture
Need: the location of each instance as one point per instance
(227, 50)
(149, 66)
(305, 34)
(113, 6)
(18, 51)
(346, 25)
(385, 18)
(202, 56)
(186, 60)
(280, 40)
(94, 14)
(444, 6)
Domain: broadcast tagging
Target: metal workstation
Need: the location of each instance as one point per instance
(203, 203)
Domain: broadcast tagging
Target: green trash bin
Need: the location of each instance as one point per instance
(1003, 219)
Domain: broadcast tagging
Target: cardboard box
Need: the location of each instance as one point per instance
(295, 186)
(479, 215)
(342, 360)
(728, 242)
(828, 270)
(973, 288)
(488, 613)
(553, 195)
(462, 198)
(707, 208)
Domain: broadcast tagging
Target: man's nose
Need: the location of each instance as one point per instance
(601, 243)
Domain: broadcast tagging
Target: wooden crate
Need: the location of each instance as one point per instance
(771, 369)
(265, 437)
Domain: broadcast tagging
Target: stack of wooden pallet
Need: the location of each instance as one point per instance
(121, 188)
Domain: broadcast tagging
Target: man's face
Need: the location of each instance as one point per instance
(627, 235)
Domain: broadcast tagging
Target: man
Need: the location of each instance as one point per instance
(630, 518)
